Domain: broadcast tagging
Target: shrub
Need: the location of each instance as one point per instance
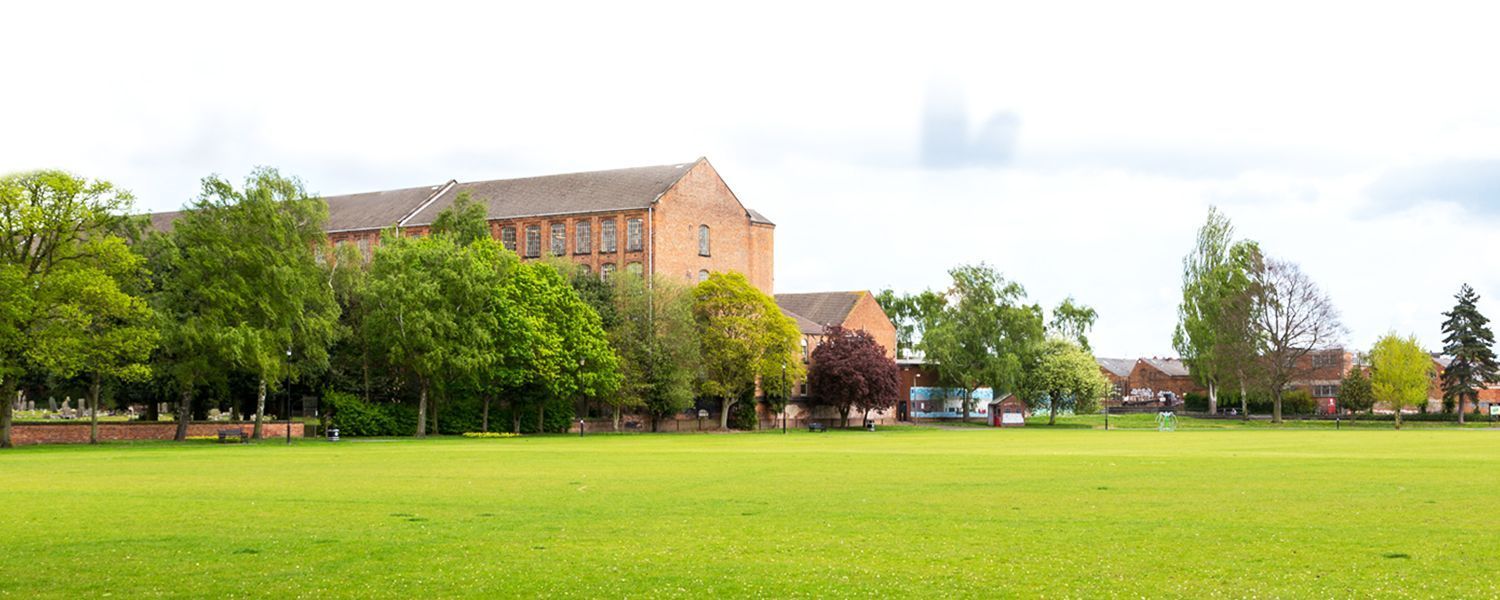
(1195, 402)
(1298, 402)
(490, 434)
(357, 418)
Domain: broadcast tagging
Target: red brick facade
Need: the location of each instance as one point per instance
(75, 432)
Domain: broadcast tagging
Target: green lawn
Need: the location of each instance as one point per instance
(904, 511)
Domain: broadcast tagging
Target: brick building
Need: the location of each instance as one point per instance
(814, 312)
(677, 220)
(1146, 380)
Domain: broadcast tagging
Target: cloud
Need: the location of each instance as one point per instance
(948, 142)
(1473, 184)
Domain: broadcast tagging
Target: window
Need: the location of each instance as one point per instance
(607, 235)
(606, 271)
(508, 237)
(583, 269)
(559, 239)
(533, 241)
(634, 268)
(364, 247)
(805, 353)
(632, 235)
(1325, 359)
(583, 237)
(702, 240)
(1325, 391)
(702, 275)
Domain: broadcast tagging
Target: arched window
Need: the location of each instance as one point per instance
(702, 275)
(606, 270)
(805, 353)
(634, 268)
(583, 269)
(703, 240)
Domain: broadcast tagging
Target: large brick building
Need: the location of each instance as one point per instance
(679, 220)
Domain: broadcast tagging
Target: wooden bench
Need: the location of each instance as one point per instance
(237, 434)
(816, 427)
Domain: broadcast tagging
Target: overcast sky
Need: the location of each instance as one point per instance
(1076, 147)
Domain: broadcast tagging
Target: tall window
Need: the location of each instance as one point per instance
(583, 269)
(805, 353)
(364, 247)
(533, 241)
(634, 268)
(508, 237)
(702, 275)
(607, 235)
(606, 270)
(583, 237)
(559, 239)
(633, 235)
(702, 240)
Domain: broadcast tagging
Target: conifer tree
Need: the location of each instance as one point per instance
(1468, 340)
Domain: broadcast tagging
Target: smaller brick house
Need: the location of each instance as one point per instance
(1117, 371)
(1151, 378)
(813, 313)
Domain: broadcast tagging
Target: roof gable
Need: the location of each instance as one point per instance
(1120, 367)
(823, 308)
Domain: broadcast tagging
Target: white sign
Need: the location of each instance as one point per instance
(1495, 410)
(1012, 418)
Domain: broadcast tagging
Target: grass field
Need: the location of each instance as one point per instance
(903, 511)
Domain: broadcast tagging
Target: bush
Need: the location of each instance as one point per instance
(1195, 402)
(354, 417)
(490, 434)
(1298, 402)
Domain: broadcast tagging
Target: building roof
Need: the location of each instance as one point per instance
(823, 308)
(757, 218)
(377, 210)
(1173, 367)
(1120, 367)
(804, 325)
(572, 193)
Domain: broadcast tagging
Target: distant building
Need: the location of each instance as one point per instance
(816, 311)
(1147, 380)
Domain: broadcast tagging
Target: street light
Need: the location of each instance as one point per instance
(289, 397)
(786, 397)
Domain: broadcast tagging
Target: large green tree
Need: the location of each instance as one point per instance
(1072, 321)
(911, 314)
(1065, 376)
(984, 336)
(744, 337)
(244, 289)
(1467, 339)
(1214, 332)
(55, 243)
(570, 355)
(657, 340)
(1400, 373)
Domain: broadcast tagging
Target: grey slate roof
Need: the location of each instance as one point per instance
(822, 308)
(804, 325)
(756, 217)
(1173, 367)
(594, 191)
(376, 210)
(1121, 367)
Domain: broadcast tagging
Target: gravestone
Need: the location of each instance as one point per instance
(51, 404)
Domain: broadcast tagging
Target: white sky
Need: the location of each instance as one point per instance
(1076, 146)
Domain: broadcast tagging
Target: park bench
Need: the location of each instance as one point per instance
(816, 427)
(237, 434)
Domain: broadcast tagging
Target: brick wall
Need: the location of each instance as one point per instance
(75, 432)
(1145, 376)
(702, 198)
(867, 315)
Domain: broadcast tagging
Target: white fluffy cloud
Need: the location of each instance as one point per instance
(1352, 139)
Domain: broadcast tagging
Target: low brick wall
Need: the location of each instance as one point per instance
(77, 432)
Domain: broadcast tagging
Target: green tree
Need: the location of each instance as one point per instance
(984, 335)
(1400, 372)
(1065, 376)
(1355, 393)
(911, 314)
(1468, 340)
(243, 287)
(465, 221)
(744, 338)
(1073, 321)
(1214, 331)
(570, 353)
(657, 341)
(52, 226)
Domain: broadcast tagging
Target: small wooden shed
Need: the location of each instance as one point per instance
(1008, 411)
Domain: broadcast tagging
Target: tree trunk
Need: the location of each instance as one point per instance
(7, 406)
(1276, 407)
(1052, 410)
(184, 414)
(485, 420)
(1398, 417)
(1462, 398)
(259, 432)
(422, 410)
(434, 411)
(94, 410)
(1244, 401)
(844, 416)
(1213, 397)
(617, 418)
(541, 418)
(724, 404)
(866, 418)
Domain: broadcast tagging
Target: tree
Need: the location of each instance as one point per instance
(1214, 333)
(465, 221)
(744, 338)
(570, 353)
(52, 226)
(1293, 319)
(1072, 321)
(1401, 372)
(1065, 375)
(983, 335)
(851, 370)
(1355, 393)
(911, 314)
(244, 289)
(1468, 340)
(657, 341)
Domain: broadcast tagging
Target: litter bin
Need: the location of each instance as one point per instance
(333, 435)
(870, 426)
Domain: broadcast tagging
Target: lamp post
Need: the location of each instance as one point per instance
(289, 397)
(786, 397)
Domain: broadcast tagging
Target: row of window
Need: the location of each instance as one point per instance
(608, 269)
(583, 238)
